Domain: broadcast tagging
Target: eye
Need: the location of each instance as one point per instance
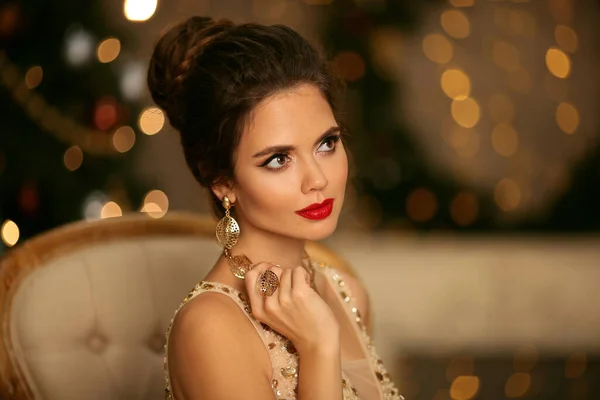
(329, 143)
(278, 161)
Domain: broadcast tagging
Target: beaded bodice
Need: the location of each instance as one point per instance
(283, 355)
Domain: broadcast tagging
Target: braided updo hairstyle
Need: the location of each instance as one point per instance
(209, 75)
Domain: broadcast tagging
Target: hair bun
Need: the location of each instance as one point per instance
(173, 54)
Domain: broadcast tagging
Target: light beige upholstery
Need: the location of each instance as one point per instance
(85, 307)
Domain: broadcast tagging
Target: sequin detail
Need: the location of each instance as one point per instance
(389, 390)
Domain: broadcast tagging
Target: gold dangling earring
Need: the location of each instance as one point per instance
(228, 232)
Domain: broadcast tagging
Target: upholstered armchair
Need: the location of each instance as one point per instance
(84, 307)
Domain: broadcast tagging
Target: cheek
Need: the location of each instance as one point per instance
(263, 193)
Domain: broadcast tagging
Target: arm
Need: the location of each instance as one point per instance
(320, 372)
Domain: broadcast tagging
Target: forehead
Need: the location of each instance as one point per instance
(287, 118)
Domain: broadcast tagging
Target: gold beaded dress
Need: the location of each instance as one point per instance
(364, 378)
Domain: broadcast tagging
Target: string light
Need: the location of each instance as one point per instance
(456, 84)
(464, 387)
(455, 23)
(438, 48)
(111, 210)
(123, 139)
(567, 118)
(34, 76)
(558, 63)
(50, 118)
(73, 158)
(156, 204)
(517, 385)
(151, 120)
(108, 50)
(10, 233)
(139, 10)
(465, 112)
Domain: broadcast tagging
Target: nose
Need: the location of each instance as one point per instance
(314, 178)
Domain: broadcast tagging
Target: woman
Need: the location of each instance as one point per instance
(255, 107)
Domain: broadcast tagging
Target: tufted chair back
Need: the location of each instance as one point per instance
(84, 307)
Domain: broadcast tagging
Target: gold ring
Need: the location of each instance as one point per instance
(268, 283)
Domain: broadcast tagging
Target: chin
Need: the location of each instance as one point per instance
(320, 229)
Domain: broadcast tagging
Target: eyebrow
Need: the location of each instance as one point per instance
(288, 148)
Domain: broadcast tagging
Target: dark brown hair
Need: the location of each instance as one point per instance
(209, 75)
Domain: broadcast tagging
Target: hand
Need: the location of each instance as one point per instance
(295, 310)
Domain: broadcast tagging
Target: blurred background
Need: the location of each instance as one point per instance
(474, 214)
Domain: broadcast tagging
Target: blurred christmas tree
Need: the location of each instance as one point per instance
(397, 185)
(68, 89)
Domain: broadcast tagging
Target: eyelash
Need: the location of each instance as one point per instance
(333, 138)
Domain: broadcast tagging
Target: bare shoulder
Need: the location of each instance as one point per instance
(212, 340)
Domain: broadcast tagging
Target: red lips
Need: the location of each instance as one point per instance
(317, 211)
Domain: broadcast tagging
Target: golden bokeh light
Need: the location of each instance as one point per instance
(566, 38)
(10, 233)
(465, 112)
(464, 387)
(501, 108)
(421, 205)
(350, 65)
(576, 365)
(462, 3)
(123, 139)
(73, 158)
(438, 48)
(108, 50)
(517, 385)
(507, 194)
(455, 23)
(156, 204)
(505, 140)
(519, 80)
(456, 84)
(465, 141)
(558, 63)
(460, 365)
(111, 210)
(506, 55)
(386, 50)
(151, 120)
(139, 10)
(567, 118)
(34, 76)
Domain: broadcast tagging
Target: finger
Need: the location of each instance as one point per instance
(300, 278)
(285, 286)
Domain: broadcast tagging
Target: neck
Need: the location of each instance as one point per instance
(261, 246)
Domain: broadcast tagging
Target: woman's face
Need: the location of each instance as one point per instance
(290, 157)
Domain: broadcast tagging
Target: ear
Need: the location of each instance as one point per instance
(224, 189)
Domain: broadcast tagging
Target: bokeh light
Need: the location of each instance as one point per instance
(465, 112)
(464, 387)
(456, 84)
(111, 210)
(151, 120)
(34, 76)
(455, 23)
(350, 65)
(505, 140)
(139, 10)
(558, 63)
(421, 205)
(567, 118)
(156, 204)
(123, 139)
(506, 55)
(507, 194)
(108, 50)
(463, 210)
(10, 233)
(73, 158)
(438, 48)
(517, 385)
(79, 46)
(566, 38)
